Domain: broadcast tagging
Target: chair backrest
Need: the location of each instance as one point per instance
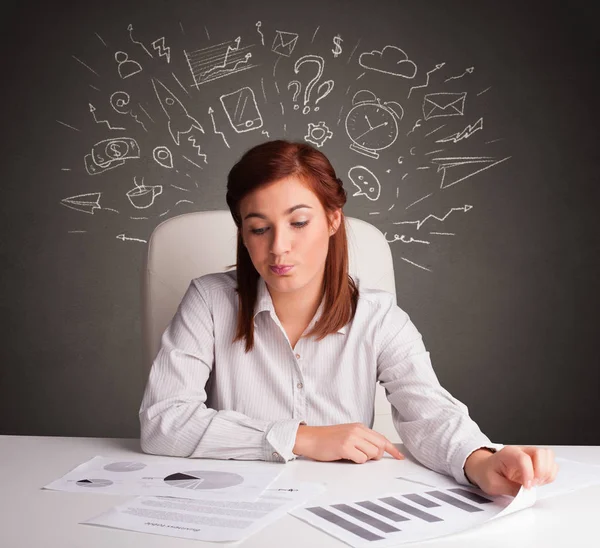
(194, 244)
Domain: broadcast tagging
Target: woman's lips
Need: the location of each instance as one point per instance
(281, 270)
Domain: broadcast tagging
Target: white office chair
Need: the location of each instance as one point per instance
(194, 244)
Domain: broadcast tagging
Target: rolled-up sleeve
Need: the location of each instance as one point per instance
(174, 418)
(435, 427)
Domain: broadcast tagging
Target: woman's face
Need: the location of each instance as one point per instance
(286, 232)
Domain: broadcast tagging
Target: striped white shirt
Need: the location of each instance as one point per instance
(206, 397)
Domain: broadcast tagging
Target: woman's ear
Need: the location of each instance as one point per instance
(335, 220)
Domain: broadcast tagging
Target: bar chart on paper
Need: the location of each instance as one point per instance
(407, 517)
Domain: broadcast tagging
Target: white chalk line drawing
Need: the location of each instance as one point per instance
(125, 64)
(467, 71)
(163, 156)
(402, 238)
(436, 129)
(443, 233)
(420, 223)
(397, 191)
(318, 134)
(411, 151)
(206, 30)
(77, 232)
(463, 163)
(93, 111)
(388, 170)
(139, 218)
(110, 209)
(192, 139)
(146, 113)
(327, 84)
(181, 188)
(340, 115)
(284, 129)
(65, 169)
(391, 207)
(119, 101)
(314, 34)
(284, 43)
(126, 238)
(180, 122)
(275, 68)
(352, 52)
(296, 84)
(94, 87)
(419, 200)
(242, 110)
(262, 85)
(164, 213)
(434, 151)
(404, 176)
(130, 29)
(218, 61)
(180, 84)
(282, 109)
(262, 36)
(366, 182)
(494, 140)
(86, 203)
(415, 264)
(265, 132)
(482, 92)
(191, 162)
(424, 167)
(143, 196)
(464, 134)
(212, 117)
(100, 38)
(437, 67)
(374, 213)
(86, 66)
(162, 49)
(372, 125)
(390, 60)
(181, 27)
(337, 46)
(277, 85)
(183, 202)
(348, 89)
(67, 125)
(439, 105)
(110, 153)
(417, 124)
(360, 75)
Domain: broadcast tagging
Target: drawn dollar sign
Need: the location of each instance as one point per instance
(337, 40)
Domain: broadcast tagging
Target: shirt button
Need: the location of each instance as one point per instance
(276, 455)
(300, 385)
(298, 356)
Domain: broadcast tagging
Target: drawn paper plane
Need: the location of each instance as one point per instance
(86, 203)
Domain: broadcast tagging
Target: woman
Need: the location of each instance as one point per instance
(280, 357)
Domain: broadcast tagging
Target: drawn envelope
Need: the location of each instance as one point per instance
(436, 105)
(284, 42)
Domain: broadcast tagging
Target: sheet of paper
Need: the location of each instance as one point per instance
(409, 516)
(572, 475)
(212, 520)
(200, 479)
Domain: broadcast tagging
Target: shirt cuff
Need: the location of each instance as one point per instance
(280, 440)
(461, 456)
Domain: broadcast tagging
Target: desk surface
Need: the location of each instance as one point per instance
(32, 517)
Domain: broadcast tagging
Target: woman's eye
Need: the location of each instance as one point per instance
(300, 224)
(258, 231)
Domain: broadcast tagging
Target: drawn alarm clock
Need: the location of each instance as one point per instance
(371, 124)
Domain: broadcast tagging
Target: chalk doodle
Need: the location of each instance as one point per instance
(262, 36)
(87, 203)
(126, 67)
(365, 181)
(162, 49)
(124, 238)
(337, 46)
(163, 156)
(438, 105)
(437, 67)
(130, 29)
(214, 124)
(284, 43)
(372, 125)
(327, 84)
(467, 71)
(420, 223)
(93, 111)
(242, 110)
(219, 61)
(464, 134)
(143, 196)
(111, 153)
(390, 60)
(402, 238)
(119, 101)
(318, 134)
(455, 170)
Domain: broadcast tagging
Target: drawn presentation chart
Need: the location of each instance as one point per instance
(205, 480)
(397, 518)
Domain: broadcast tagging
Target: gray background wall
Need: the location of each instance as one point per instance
(505, 293)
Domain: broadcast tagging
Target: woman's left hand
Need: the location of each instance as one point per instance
(504, 472)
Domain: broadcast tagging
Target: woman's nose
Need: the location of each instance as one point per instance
(280, 242)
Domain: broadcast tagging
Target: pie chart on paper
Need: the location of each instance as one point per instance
(94, 483)
(204, 479)
(124, 466)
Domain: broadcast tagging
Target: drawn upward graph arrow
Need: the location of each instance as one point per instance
(211, 112)
(420, 223)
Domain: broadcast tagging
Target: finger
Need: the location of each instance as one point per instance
(367, 448)
(542, 459)
(393, 450)
(503, 486)
(383, 443)
(520, 468)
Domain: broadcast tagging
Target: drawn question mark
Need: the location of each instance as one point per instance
(308, 89)
(298, 86)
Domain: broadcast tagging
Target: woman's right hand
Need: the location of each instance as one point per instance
(353, 442)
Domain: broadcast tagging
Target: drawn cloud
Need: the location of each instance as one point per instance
(390, 60)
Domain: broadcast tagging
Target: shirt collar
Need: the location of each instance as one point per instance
(264, 303)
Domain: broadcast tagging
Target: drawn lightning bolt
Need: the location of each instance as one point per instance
(163, 51)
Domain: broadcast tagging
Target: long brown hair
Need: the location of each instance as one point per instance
(265, 164)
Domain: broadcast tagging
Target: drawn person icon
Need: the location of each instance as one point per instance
(127, 67)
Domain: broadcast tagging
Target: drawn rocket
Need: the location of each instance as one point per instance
(179, 119)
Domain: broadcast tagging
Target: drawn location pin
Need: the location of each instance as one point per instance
(162, 156)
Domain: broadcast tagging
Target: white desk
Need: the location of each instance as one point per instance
(34, 518)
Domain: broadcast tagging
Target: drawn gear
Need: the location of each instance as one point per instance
(318, 134)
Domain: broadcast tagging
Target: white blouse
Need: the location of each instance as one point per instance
(206, 397)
